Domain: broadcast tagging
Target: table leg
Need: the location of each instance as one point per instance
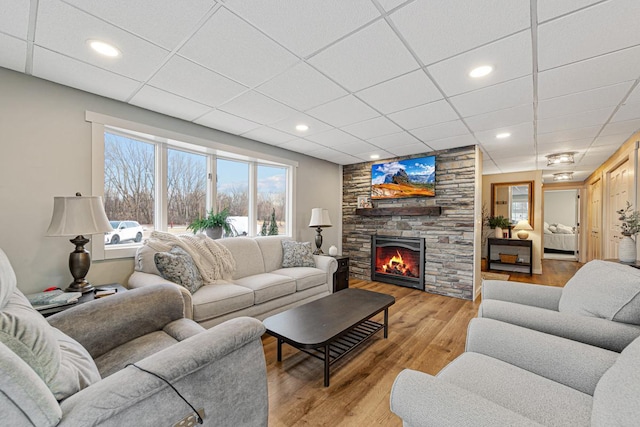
(280, 341)
(386, 322)
(326, 365)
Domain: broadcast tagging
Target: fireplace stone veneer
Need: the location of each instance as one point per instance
(398, 260)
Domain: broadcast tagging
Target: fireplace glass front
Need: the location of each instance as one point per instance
(398, 260)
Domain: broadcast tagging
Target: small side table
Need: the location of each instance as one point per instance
(341, 276)
(89, 296)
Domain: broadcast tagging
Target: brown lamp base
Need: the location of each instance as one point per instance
(79, 263)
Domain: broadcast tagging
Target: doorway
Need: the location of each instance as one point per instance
(561, 224)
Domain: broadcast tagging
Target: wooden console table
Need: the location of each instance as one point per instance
(524, 259)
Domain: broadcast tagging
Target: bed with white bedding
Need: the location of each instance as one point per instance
(559, 238)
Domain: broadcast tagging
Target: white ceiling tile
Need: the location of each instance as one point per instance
(233, 48)
(520, 133)
(440, 131)
(628, 127)
(370, 56)
(69, 72)
(489, 167)
(169, 104)
(516, 164)
(627, 112)
(634, 98)
(14, 53)
(269, 135)
(343, 111)
(333, 138)
(226, 122)
(424, 115)
(301, 87)
(372, 128)
(441, 29)
(258, 108)
(394, 140)
(502, 118)
(603, 70)
(583, 101)
(381, 155)
(492, 98)
(334, 156)
(586, 34)
(598, 155)
(195, 82)
(355, 148)
(511, 151)
(14, 19)
(452, 142)
(576, 145)
(391, 4)
(568, 135)
(65, 29)
(574, 121)
(616, 140)
(548, 9)
(406, 91)
(300, 145)
(150, 19)
(407, 150)
(305, 26)
(289, 124)
(509, 57)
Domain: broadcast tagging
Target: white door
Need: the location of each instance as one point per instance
(595, 221)
(619, 194)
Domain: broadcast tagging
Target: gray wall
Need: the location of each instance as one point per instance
(45, 151)
(560, 207)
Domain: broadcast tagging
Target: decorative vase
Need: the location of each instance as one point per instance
(333, 250)
(213, 233)
(627, 249)
(499, 233)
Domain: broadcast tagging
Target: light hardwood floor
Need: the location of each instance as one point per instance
(426, 332)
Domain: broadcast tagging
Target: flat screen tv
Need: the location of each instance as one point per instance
(404, 178)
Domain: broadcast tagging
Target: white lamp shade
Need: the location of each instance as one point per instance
(523, 224)
(319, 218)
(78, 215)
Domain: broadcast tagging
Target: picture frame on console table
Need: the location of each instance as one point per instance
(364, 202)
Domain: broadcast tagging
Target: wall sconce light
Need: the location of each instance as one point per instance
(563, 176)
(319, 218)
(560, 159)
(523, 226)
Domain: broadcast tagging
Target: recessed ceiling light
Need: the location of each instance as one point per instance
(481, 71)
(302, 128)
(103, 48)
(503, 135)
(375, 156)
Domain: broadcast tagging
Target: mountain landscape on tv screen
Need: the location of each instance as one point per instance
(404, 178)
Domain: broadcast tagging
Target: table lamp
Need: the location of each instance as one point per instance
(523, 226)
(319, 219)
(78, 216)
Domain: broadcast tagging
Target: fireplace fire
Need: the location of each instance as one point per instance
(398, 260)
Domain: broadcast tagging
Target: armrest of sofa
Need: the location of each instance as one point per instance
(139, 279)
(595, 331)
(328, 264)
(221, 370)
(568, 362)
(120, 318)
(423, 400)
(522, 293)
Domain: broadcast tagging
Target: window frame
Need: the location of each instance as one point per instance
(164, 139)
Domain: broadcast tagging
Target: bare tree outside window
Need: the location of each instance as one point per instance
(233, 192)
(272, 196)
(186, 188)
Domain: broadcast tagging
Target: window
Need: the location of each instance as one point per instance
(152, 180)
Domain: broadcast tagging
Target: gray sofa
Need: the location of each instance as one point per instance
(513, 376)
(259, 286)
(72, 370)
(599, 305)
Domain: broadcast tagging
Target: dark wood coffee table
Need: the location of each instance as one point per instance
(330, 327)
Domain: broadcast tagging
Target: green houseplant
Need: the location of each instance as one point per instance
(213, 224)
(627, 251)
(499, 223)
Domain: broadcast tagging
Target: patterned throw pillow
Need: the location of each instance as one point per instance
(178, 267)
(297, 254)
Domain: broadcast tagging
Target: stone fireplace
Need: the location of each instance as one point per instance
(398, 260)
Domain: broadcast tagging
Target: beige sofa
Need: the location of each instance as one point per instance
(259, 287)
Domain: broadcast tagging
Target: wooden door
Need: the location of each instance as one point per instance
(595, 221)
(619, 194)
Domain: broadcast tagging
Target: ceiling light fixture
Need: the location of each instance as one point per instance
(302, 127)
(480, 71)
(560, 159)
(563, 176)
(103, 48)
(503, 135)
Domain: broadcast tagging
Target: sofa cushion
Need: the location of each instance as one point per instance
(297, 254)
(305, 277)
(615, 400)
(246, 254)
(271, 248)
(604, 289)
(540, 399)
(7, 280)
(267, 286)
(221, 298)
(145, 260)
(178, 267)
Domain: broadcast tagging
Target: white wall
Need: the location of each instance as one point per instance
(560, 207)
(45, 151)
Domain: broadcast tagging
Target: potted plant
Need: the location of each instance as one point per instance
(213, 224)
(630, 227)
(499, 223)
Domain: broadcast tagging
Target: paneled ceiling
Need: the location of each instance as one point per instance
(368, 77)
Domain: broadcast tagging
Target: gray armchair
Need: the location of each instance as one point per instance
(73, 370)
(600, 305)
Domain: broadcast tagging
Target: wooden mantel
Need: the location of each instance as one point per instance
(406, 210)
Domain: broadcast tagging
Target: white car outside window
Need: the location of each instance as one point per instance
(122, 231)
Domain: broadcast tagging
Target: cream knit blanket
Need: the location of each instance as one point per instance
(214, 261)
